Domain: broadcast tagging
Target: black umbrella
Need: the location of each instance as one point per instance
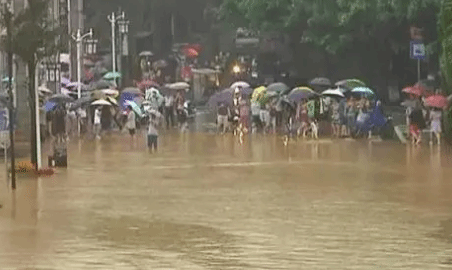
(278, 87)
(60, 98)
(101, 84)
(80, 103)
(320, 82)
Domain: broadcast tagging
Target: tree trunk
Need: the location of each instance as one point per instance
(32, 101)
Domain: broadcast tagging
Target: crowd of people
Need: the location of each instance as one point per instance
(347, 117)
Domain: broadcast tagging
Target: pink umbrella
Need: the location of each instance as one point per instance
(436, 101)
(413, 90)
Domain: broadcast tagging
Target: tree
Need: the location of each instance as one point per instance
(445, 40)
(33, 37)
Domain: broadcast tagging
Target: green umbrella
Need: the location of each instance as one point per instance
(350, 83)
(363, 90)
(135, 107)
(6, 79)
(112, 75)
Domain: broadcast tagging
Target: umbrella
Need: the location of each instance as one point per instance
(80, 103)
(101, 102)
(49, 106)
(413, 90)
(333, 92)
(240, 84)
(110, 92)
(410, 103)
(112, 75)
(363, 90)
(436, 101)
(135, 107)
(190, 52)
(146, 53)
(44, 90)
(224, 97)
(101, 84)
(112, 101)
(300, 93)
(320, 82)
(65, 81)
(243, 91)
(6, 79)
(350, 83)
(60, 98)
(146, 84)
(179, 86)
(132, 90)
(160, 64)
(74, 85)
(278, 87)
(258, 92)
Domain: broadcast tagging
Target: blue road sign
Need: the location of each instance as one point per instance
(417, 50)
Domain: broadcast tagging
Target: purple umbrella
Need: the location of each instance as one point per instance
(220, 97)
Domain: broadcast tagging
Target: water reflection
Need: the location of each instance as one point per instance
(214, 202)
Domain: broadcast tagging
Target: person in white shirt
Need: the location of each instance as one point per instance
(152, 132)
(97, 126)
(169, 111)
(131, 122)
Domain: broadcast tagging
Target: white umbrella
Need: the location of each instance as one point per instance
(240, 84)
(179, 86)
(44, 90)
(333, 92)
(101, 102)
(146, 53)
(110, 92)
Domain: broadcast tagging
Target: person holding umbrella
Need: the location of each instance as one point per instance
(155, 119)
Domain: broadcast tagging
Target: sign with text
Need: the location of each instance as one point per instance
(417, 50)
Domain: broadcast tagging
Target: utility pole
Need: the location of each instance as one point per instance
(113, 19)
(79, 39)
(8, 18)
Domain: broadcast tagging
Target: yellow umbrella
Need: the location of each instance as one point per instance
(258, 92)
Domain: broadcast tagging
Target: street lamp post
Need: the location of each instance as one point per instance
(124, 30)
(8, 13)
(113, 19)
(79, 39)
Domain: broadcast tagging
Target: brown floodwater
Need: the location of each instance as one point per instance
(215, 202)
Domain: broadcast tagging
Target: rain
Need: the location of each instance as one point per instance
(225, 135)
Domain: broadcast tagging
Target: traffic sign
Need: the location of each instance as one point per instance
(417, 50)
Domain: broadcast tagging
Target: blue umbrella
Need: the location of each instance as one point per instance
(49, 106)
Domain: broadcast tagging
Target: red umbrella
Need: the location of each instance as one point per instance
(146, 84)
(191, 52)
(436, 101)
(413, 90)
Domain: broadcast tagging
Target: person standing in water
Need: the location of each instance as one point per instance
(97, 125)
(131, 122)
(152, 132)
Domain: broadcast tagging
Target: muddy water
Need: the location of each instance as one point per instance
(214, 202)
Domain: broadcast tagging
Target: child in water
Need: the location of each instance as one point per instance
(152, 132)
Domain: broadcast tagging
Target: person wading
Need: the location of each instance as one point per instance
(131, 122)
(97, 122)
(222, 118)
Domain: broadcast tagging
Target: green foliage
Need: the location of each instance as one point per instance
(334, 25)
(445, 38)
(32, 30)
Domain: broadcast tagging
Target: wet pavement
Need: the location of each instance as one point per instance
(215, 202)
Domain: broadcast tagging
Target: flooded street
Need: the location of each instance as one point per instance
(213, 202)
